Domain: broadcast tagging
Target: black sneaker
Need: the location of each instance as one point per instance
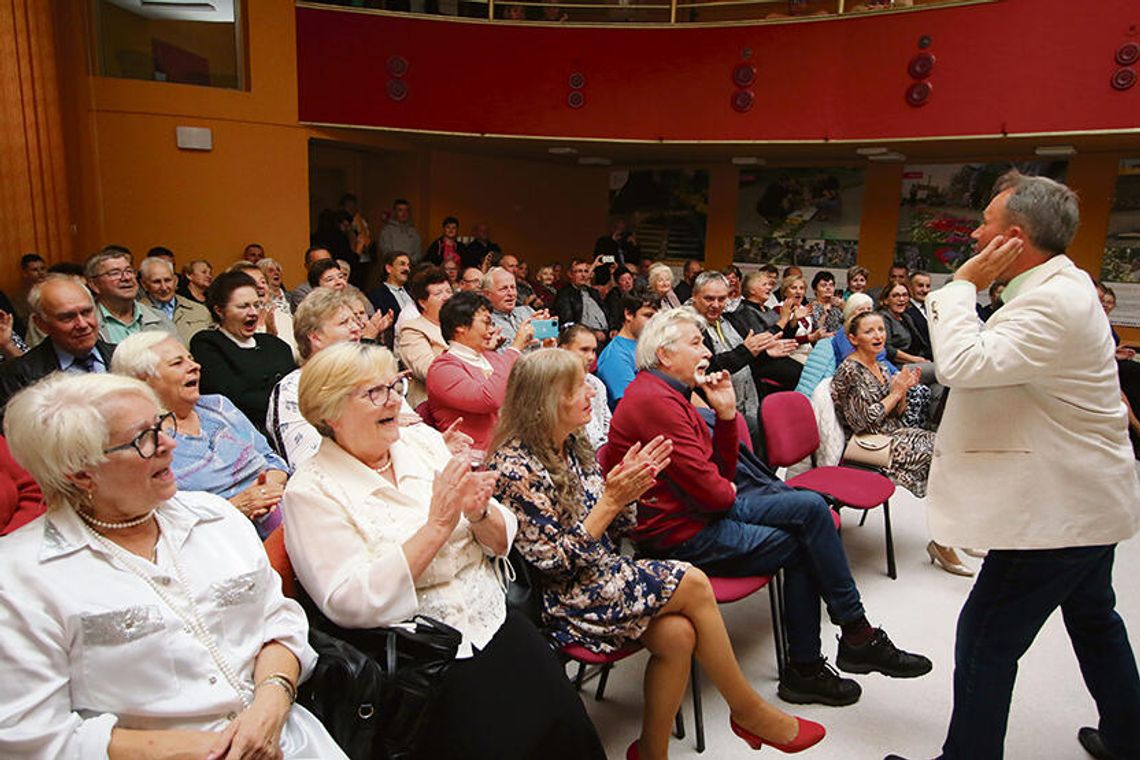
(1092, 743)
(824, 687)
(879, 655)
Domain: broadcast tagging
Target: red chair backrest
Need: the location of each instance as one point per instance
(423, 409)
(790, 429)
(279, 561)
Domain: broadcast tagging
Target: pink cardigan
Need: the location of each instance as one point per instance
(457, 389)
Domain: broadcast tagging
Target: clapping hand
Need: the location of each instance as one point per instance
(782, 348)
(638, 469)
(458, 490)
(906, 379)
(458, 442)
(756, 343)
(376, 324)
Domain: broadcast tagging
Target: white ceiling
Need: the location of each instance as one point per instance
(218, 11)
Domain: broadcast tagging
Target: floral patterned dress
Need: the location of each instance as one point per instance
(858, 396)
(591, 594)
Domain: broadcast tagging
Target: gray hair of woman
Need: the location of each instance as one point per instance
(659, 273)
(856, 303)
(320, 306)
(330, 375)
(538, 384)
(135, 356)
(662, 332)
(58, 427)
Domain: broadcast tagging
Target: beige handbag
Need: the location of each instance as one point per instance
(873, 449)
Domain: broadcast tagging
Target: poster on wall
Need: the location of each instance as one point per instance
(808, 217)
(1120, 267)
(666, 209)
(943, 203)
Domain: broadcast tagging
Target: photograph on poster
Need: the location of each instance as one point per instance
(666, 209)
(942, 204)
(803, 216)
(1120, 267)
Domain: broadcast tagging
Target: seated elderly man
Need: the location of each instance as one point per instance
(112, 279)
(156, 275)
(580, 303)
(64, 311)
(718, 506)
(507, 313)
(735, 353)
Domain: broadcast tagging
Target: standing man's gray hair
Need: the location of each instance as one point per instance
(1047, 210)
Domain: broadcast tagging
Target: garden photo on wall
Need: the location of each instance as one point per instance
(666, 209)
(1120, 267)
(943, 203)
(804, 216)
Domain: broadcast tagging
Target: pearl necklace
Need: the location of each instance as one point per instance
(105, 525)
(193, 620)
(384, 467)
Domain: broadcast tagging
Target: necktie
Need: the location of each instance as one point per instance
(86, 363)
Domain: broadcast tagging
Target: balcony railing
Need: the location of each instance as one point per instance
(642, 11)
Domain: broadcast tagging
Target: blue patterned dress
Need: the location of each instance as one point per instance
(591, 594)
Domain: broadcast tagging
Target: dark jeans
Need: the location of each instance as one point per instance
(1015, 593)
(793, 530)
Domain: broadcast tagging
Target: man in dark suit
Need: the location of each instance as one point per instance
(578, 303)
(65, 311)
(919, 289)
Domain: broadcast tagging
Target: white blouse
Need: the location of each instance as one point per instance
(345, 527)
(89, 645)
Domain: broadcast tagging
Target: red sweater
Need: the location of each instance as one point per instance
(457, 389)
(20, 498)
(697, 487)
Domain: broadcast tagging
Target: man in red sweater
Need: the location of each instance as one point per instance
(721, 508)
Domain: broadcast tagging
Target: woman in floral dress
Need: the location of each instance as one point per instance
(868, 401)
(570, 519)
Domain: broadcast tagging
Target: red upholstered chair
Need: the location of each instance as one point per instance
(423, 409)
(791, 434)
(279, 561)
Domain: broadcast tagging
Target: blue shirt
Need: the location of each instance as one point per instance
(617, 368)
(227, 456)
(67, 361)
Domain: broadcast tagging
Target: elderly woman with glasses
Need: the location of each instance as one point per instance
(139, 622)
(381, 526)
(237, 361)
(219, 449)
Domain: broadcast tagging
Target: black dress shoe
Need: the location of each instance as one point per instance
(817, 683)
(1094, 745)
(881, 656)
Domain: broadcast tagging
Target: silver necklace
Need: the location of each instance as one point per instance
(193, 620)
(105, 525)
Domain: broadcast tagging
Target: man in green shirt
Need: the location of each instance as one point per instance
(113, 280)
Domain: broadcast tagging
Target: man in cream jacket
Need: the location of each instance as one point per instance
(1032, 462)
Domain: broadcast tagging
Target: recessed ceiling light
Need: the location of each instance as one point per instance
(748, 161)
(561, 150)
(1056, 151)
(888, 157)
(872, 150)
(594, 161)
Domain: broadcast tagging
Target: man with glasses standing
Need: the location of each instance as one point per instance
(112, 279)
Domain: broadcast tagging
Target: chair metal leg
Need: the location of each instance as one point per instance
(779, 635)
(679, 726)
(698, 716)
(891, 569)
(579, 676)
(603, 677)
(863, 519)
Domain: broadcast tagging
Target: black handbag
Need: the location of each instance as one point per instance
(343, 693)
(524, 595)
(412, 659)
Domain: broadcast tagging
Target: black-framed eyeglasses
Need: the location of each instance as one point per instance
(380, 395)
(146, 442)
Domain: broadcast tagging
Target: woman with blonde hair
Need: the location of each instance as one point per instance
(660, 277)
(139, 622)
(570, 520)
(383, 524)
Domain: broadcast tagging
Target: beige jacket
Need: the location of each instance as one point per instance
(1033, 449)
(418, 344)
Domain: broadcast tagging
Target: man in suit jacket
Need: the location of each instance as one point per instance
(1032, 462)
(919, 285)
(65, 311)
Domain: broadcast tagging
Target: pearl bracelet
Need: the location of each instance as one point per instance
(282, 680)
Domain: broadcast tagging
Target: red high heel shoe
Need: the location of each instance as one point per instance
(809, 734)
(633, 753)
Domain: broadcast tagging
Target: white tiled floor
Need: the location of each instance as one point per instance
(905, 717)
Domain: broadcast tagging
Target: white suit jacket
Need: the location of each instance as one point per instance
(1033, 449)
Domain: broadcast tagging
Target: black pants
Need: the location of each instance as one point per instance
(511, 701)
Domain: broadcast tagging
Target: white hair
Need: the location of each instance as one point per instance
(58, 428)
(488, 283)
(36, 294)
(659, 271)
(135, 356)
(151, 261)
(662, 332)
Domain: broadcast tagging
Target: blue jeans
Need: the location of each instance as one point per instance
(793, 530)
(1015, 593)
